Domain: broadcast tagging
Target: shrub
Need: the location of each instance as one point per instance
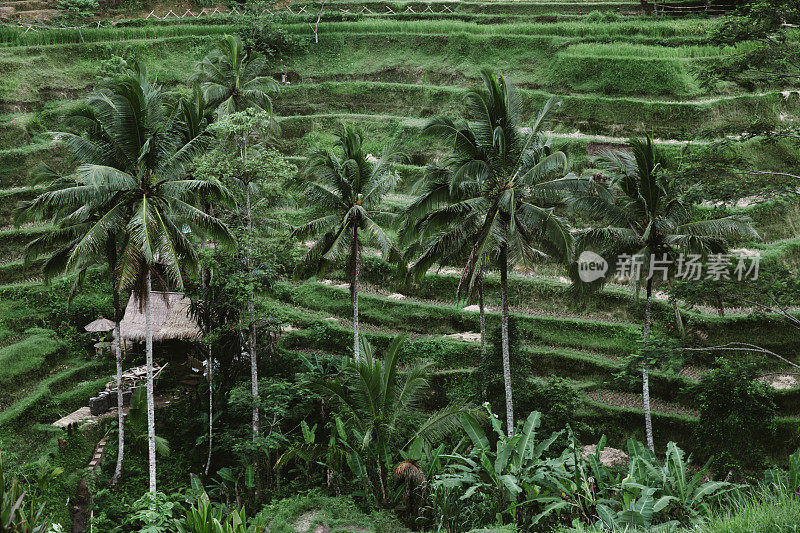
(737, 416)
(265, 37)
(554, 397)
(77, 10)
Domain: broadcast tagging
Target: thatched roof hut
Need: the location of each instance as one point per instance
(170, 315)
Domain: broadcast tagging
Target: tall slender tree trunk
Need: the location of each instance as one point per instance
(210, 378)
(482, 309)
(648, 423)
(120, 400)
(210, 370)
(354, 291)
(504, 335)
(151, 415)
(252, 312)
(676, 310)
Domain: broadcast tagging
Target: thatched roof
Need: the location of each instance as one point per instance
(101, 324)
(170, 315)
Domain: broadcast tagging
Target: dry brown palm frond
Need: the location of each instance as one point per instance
(409, 471)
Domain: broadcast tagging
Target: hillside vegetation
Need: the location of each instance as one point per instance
(387, 70)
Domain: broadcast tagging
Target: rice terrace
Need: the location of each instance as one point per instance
(393, 266)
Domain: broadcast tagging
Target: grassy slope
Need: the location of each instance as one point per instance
(423, 67)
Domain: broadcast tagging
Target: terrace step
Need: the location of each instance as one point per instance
(490, 310)
(26, 5)
(38, 14)
(418, 123)
(629, 400)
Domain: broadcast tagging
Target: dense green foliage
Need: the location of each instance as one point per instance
(273, 150)
(736, 416)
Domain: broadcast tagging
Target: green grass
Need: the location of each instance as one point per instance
(27, 356)
(623, 75)
(13, 241)
(763, 511)
(58, 394)
(535, 61)
(325, 513)
(597, 30)
(414, 95)
(639, 50)
(16, 271)
(423, 318)
(16, 165)
(11, 36)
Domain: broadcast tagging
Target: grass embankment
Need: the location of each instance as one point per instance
(11, 36)
(304, 133)
(20, 360)
(412, 93)
(533, 61)
(422, 318)
(593, 360)
(598, 30)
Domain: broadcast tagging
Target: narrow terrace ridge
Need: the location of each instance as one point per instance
(491, 310)
(420, 122)
(463, 85)
(629, 400)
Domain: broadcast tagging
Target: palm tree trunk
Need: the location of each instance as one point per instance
(504, 335)
(354, 291)
(648, 423)
(120, 400)
(210, 371)
(482, 309)
(151, 415)
(677, 311)
(209, 377)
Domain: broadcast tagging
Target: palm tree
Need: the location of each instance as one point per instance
(131, 188)
(233, 79)
(373, 395)
(57, 246)
(496, 196)
(348, 189)
(415, 237)
(647, 217)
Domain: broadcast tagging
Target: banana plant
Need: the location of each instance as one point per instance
(137, 422)
(786, 478)
(681, 495)
(233, 485)
(592, 483)
(205, 517)
(330, 456)
(20, 511)
(637, 512)
(514, 475)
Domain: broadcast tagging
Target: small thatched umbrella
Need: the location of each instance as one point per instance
(101, 324)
